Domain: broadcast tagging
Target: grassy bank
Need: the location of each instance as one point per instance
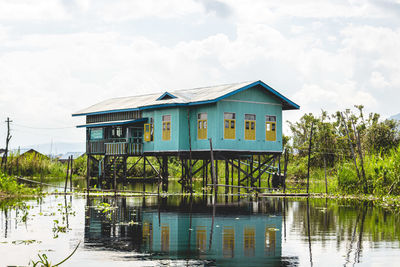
(35, 165)
(382, 173)
(10, 187)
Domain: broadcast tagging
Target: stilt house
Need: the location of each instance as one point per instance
(241, 119)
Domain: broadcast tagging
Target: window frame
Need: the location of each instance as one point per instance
(250, 118)
(271, 120)
(230, 117)
(166, 121)
(202, 120)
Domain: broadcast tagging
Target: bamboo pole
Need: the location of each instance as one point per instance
(88, 160)
(357, 135)
(190, 153)
(326, 180)
(350, 144)
(70, 175)
(66, 177)
(309, 156)
(213, 176)
(115, 174)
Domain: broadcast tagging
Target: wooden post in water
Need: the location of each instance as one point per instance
(165, 173)
(226, 176)
(308, 231)
(8, 138)
(357, 135)
(326, 180)
(144, 174)
(216, 175)
(190, 153)
(309, 156)
(239, 170)
(232, 171)
(115, 174)
(213, 176)
(286, 158)
(71, 172)
(66, 177)
(88, 160)
(350, 144)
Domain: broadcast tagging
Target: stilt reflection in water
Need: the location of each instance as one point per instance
(179, 229)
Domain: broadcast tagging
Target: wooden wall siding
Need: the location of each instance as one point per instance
(252, 101)
(117, 116)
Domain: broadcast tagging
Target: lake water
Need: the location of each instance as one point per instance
(185, 231)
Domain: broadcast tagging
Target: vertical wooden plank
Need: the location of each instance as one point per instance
(351, 145)
(226, 176)
(213, 175)
(70, 176)
(66, 177)
(88, 160)
(115, 174)
(232, 172)
(309, 156)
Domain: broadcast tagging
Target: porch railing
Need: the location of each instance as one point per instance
(113, 147)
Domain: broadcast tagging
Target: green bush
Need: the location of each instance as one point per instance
(347, 178)
(79, 166)
(9, 185)
(35, 165)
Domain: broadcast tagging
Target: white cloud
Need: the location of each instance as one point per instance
(328, 64)
(25, 10)
(128, 9)
(333, 96)
(378, 80)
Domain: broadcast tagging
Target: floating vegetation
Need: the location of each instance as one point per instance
(25, 242)
(44, 261)
(58, 228)
(130, 223)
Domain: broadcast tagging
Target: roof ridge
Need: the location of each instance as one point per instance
(204, 87)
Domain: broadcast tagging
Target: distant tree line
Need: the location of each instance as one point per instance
(334, 137)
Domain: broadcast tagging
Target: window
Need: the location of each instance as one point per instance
(166, 127)
(270, 241)
(202, 126)
(249, 241)
(148, 132)
(228, 242)
(96, 134)
(249, 126)
(270, 128)
(116, 132)
(229, 125)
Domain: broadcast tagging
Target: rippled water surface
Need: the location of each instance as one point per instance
(185, 231)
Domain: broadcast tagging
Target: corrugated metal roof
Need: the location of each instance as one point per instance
(111, 123)
(194, 96)
(74, 155)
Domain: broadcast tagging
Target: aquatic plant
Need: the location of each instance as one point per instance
(10, 186)
(44, 261)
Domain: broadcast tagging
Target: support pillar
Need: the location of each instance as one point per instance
(226, 177)
(165, 173)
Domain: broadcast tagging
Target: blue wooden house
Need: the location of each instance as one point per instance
(242, 119)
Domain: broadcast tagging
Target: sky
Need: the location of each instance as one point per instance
(60, 56)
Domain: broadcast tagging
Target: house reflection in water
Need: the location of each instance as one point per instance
(236, 235)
